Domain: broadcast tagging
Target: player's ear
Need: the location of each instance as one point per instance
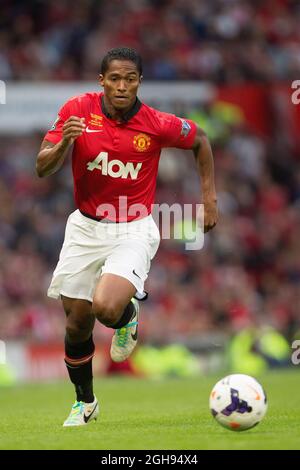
(140, 79)
(101, 79)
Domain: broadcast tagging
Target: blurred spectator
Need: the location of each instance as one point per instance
(250, 267)
(224, 41)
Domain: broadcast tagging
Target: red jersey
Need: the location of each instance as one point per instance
(116, 161)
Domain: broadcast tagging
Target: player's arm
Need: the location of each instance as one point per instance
(51, 156)
(205, 164)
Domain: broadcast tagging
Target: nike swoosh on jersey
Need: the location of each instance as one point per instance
(86, 418)
(88, 130)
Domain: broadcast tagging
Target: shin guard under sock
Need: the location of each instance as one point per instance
(78, 360)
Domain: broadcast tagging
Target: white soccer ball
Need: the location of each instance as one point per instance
(238, 402)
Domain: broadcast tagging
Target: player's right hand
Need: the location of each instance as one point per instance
(73, 128)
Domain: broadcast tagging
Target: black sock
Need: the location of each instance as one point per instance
(78, 360)
(126, 316)
(85, 392)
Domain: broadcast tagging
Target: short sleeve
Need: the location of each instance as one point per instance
(177, 132)
(55, 133)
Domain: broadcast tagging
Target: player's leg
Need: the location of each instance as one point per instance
(123, 276)
(79, 352)
(114, 306)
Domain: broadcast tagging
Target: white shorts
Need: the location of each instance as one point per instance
(93, 248)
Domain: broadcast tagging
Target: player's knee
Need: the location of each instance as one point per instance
(79, 327)
(108, 313)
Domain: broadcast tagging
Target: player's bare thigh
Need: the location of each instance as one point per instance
(112, 294)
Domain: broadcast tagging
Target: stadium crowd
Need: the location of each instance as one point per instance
(224, 41)
(249, 271)
(247, 274)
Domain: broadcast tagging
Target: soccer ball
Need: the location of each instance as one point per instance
(238, 402)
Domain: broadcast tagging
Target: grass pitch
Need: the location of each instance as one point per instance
(146, 414)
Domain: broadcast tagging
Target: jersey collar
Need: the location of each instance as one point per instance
(130, 114)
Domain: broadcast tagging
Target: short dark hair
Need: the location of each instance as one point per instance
(122, 53)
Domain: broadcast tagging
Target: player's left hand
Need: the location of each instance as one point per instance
(210, 214)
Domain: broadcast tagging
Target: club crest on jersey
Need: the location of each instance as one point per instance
(185, 128)
(141, 142)
(95, 120)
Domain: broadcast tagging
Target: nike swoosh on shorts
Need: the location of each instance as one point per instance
(135, 274)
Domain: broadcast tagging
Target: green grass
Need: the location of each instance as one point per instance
(145, 414)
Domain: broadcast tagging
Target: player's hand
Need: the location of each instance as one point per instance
(210, 214)
(73, 128)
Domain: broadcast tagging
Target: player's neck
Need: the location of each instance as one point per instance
(116, 114)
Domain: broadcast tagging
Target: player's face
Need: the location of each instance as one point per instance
(120, 83)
